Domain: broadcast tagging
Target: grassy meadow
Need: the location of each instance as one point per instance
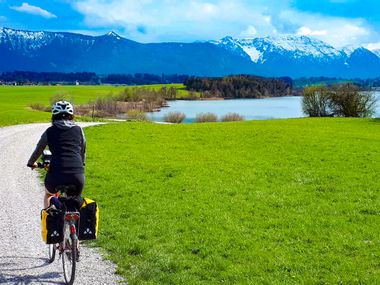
(258, 202)
(261, 202)
(15, 100)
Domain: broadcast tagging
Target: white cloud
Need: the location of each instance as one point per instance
(268, 19)
(250, 32)
(336, 31)
(189, 20)
(306, 31)
(171, 19)
(34, 10)
(373, 46)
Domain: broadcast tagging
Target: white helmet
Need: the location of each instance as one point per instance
(62, 107)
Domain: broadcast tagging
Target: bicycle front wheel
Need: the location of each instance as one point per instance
(52, 250)
(69, 259)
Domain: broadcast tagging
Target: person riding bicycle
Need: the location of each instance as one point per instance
(67, 143)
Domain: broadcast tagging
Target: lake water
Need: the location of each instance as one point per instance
(250, 109)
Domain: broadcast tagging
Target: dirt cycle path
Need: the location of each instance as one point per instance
(23, 255)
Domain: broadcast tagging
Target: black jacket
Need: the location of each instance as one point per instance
(67, 144)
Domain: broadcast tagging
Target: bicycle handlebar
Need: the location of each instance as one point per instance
(39, 165)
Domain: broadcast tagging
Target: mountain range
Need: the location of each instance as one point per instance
(293, 56)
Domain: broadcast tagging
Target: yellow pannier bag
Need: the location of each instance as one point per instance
(52, 226)
(89, 220)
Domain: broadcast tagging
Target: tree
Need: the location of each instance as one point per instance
(347, 101)
(342, 100)
(316, 101)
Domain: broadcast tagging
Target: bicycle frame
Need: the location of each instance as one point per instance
(69, 247)
(70, 220)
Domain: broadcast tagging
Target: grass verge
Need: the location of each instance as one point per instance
(263, 202)
(15, 101)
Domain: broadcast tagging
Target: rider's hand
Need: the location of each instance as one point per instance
(33, 166)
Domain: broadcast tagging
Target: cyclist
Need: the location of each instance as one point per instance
(67, 143)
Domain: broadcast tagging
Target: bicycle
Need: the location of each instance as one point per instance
(68, 249)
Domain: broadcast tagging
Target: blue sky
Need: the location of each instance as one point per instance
(337, 22)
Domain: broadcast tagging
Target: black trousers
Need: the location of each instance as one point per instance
(52, 180)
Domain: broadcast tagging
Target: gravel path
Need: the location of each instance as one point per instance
(23, 255)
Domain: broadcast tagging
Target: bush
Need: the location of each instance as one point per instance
(174, 117)
(205, 117)
(105, 106)
(232, 117)
(39, 107)
(148, 99)
(347, 101)
(316, 101)
(61, 96)
(343, 100)
(137, 115)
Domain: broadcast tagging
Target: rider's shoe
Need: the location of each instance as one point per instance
(55, 201)
(52, 210)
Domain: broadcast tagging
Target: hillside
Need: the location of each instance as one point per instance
(294, 56)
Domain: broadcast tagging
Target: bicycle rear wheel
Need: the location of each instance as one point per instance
(52, 250)
(69, 259)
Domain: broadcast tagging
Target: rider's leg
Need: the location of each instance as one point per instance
(50, 188)
(47, 199)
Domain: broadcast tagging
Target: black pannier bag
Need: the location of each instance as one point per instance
(52, 226)
(89, 220)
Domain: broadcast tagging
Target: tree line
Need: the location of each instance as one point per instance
(29, 77)
(240, 86)
(368, 83)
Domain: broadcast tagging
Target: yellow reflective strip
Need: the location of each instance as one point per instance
(97, 221)
(44, 215)
(86, 201)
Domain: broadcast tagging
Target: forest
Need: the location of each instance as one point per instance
(88, 78)
(240, 86)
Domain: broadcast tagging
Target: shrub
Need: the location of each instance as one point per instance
(231, 117)
(105, 106)
(347, 101)
(174, 117)
(61, 96)
(205, 117)
(149, 98)
(137, 115)
(39, 107)
(316, 101)
(344, 100)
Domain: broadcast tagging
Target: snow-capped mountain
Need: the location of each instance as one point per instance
(297, 47)
(111, 53)
(298, 56)
(377, 52)
(293, 56)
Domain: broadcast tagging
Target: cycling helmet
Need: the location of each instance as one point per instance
(62, 107)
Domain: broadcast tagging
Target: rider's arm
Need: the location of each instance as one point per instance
(38, 151)
(83, 153)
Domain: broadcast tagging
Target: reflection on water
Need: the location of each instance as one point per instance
(251, 109)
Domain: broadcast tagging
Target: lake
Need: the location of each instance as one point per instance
(251, 109)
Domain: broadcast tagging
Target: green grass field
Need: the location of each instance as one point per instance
(261, 202)
(15, 100)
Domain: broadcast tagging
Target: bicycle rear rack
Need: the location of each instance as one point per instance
(72, 216)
